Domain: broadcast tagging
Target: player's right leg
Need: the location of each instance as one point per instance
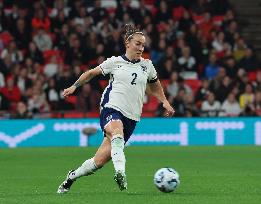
(102, 156)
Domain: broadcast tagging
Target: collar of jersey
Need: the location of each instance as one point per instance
(133, 61)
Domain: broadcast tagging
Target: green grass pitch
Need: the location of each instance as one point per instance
(230, 174)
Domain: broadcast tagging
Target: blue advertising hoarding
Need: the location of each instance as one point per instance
(149, 131)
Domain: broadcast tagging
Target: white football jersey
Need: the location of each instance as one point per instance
(126, 89)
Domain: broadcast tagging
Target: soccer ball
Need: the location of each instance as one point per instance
(166, 179)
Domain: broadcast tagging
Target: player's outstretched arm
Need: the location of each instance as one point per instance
(155, 89)
(84, 78)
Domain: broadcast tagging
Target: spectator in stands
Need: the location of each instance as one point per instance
(104, 28)
(230, 107)
(111, 45)
(239, 49)
(230, 66)
(211, 106)
(34, 53)
(35, 72)
(248, 111)
(15, 71)
(186, 62)
(98, 13)
(180, 44)
(166, 69)
(164, 13)
(216, 82)
(21, 112)
(247, 98)
(22, 34)
(182, 85)
(75, 7)
(191, 109)
(59, 6)
(15, 54)
(11, 92)
(172, 86)
(37, 103)
(204, 51)
(42, 40)
(224, 89)
(23, 81)
(219, 44)
(170, 54)
(158, 54)
(241, 80)
(64, 79)
(62, 39)
(230, 31)
(141, 12)
(51, 68)
(6, 65)
(248, 61)
(88, 99)
(202, 92)
(235, 91)
(228, 17)
(59, 21)
(64, 76)
(41, 20)
(170, 31)
(52, 94)
(122, 8)
(186, 23)
(75, 52)
(212, 68)
(193, 41)
(179, 103)
(206, 25)
(79, 19)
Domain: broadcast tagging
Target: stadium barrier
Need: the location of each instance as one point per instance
(149, 131)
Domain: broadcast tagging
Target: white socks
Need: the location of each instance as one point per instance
(88, 167)
(118, 158)
(117, 154)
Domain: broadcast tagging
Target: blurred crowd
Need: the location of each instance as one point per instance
(206, 67)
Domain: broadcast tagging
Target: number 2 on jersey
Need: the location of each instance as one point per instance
(133, 82)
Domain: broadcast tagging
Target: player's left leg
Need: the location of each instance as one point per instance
(102, 156)
(114, 131)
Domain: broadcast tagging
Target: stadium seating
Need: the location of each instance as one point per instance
(194, 84)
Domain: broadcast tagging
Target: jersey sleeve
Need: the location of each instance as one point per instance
(152, 73)
(107, 66)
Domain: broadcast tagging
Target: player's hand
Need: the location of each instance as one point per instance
(169, 110)
(69, 91)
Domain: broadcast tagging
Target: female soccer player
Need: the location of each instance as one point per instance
(121, 105)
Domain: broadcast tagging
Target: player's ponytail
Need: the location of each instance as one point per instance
(129, 31)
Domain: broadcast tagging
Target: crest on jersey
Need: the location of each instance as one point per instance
(144, 68)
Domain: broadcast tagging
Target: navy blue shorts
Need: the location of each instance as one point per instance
(109, 114)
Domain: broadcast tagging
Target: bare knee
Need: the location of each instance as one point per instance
(114, 128)
(103, 154)
(116, 131)
(101, 161)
